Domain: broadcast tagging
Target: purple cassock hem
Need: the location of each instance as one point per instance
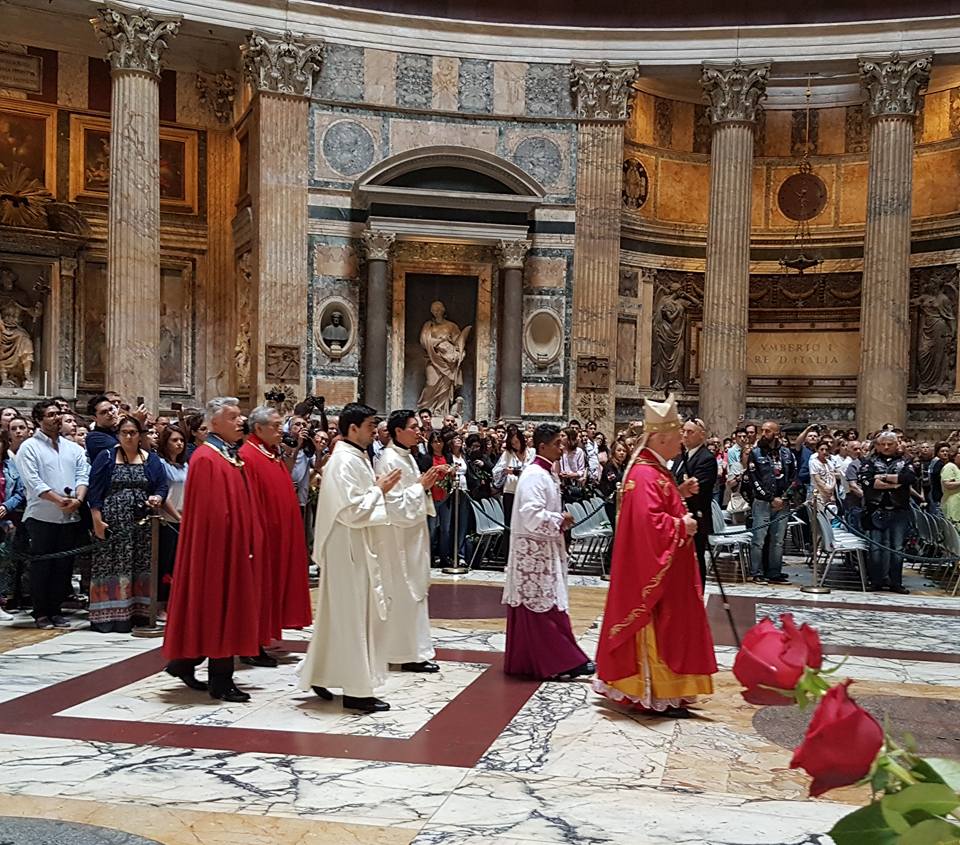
(540, 645)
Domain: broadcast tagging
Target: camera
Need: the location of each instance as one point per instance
(290, 441)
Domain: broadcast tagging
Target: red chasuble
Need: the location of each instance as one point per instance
(214, 607)
(654, 579)
(286, 598)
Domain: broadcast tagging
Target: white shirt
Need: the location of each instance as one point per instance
(461, 465)
(44, 468)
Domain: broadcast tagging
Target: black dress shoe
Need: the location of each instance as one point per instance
(587, 668)
(677, 713)
(779, 579)
(901, 590)
(422, 666)
(365, 705)
(262, 659)
(188, 678)
(323, 693)
(230, 693)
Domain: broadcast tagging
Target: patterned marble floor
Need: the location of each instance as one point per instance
(95, 734)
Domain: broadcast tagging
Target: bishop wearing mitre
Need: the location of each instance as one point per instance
(347, 650)
(404, 547)
(655, 652)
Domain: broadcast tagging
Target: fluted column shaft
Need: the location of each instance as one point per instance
(723, 346)
(893, 86)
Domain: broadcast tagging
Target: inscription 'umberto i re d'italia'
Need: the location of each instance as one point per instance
(771, 354)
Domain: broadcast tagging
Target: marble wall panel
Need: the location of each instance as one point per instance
(760, 135)
(543, 272)
(759, 210)
(804, 130)
(380, 77)
(557, 304)
(662, 123)
(335, 259)
(337, 391)
(508, 87)
(936, 117)
(548, 91)
(542, 399)
(72, 80)
(414, 81)
(831, 139)
(341, 73)
(683, 115)
(702, 130)
(853, 192)
(322, 289)
(936, 183)
(545, 154)
(954, 112)
(683, 194)
(639, 128)
(445, 83)
(412, 134)
(476, 86)
(855, 130)
(344, 145)
(779, 127)
(189, 108)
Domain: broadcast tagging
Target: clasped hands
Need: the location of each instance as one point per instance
(688, 487)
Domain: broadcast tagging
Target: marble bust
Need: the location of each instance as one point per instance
(335, 334)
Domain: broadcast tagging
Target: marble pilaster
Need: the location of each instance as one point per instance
(603, 93)
(734, 93)
(893, 85)
(511, 255)
(377, 246)
(280, 72)
(135, 42)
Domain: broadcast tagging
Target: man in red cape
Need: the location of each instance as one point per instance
(655, 651)
(286, 590)
(214, 610)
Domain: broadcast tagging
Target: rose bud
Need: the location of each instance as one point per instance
(841, 743)
(770, 657)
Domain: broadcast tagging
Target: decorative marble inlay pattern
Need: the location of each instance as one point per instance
(701, 130)
(414, 81)
(285, 65)
(894, 84)
(341, 77)
(348, 147)
(541, 158)
(476, 85)
(135, 40)
(734, 92)
(662, 123)
(55, 832)
(855, 136)
(547, 91)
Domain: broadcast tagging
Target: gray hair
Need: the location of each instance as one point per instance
(886, 435)
(215, 406)
(261, 415)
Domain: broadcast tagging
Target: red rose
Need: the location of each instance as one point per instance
(841, 744)
(770, 657)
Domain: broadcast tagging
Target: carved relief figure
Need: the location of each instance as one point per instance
(16, 344)
(936, 333)
(444, 345)
(241, 349)
(670, 334)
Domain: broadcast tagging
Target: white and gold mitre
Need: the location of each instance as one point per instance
(660, 417)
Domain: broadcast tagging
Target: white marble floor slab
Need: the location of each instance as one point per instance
(277, 703)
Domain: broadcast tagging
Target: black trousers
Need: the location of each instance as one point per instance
(700, 542)
(50, 579)
(219, 669)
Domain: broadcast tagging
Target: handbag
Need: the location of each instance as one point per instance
(737, 503)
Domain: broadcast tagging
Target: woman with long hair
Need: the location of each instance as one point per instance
(458, 459)
(439, 525)
(196, 432)
(125, 482)
(572, 467)
(172, 449)
(507, 471)
(13, 497)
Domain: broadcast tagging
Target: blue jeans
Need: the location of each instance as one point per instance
(886, 567)
(763, 512)
(439, 527)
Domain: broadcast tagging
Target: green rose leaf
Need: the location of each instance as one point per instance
(896, 820)
(931, 832)
(866, 826)
(936, 798)
(938, 770)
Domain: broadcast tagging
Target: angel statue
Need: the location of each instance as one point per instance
(444, 345)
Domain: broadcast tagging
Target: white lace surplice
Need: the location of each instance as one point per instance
(537, 566)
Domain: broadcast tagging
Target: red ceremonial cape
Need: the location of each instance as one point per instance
(286, 597)
(214, 602)
(654, 578)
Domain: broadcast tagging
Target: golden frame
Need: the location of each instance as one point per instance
(49, 114)
(80, 125)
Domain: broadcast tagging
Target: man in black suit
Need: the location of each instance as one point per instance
(696, 474)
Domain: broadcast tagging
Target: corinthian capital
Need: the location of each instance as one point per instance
(135, 38)
(734, 91)
(284, 65)
(217, 93)
(511, 254)
(894, 84)
(603, 91)
(377, 244)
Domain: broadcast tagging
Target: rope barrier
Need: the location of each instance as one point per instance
(8, 552)
(905, 555)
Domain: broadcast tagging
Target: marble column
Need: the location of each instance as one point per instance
(893, 85)
(135, 42)
(217, 291)
(603, 93)
(280, 72)
(511, 255)
(733, 93)
(377, 246)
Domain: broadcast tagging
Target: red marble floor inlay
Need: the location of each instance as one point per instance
(458, 735)
(466, 601)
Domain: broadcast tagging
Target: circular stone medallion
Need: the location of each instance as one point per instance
(802, 196)
(541, 158)
(54, 832)
(348, 147)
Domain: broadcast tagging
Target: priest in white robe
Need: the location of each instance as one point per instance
(540, 639)
(404, 547)
(347, 647)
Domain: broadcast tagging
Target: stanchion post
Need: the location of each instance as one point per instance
(815, 587)
(152, 629)
(456, 569)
